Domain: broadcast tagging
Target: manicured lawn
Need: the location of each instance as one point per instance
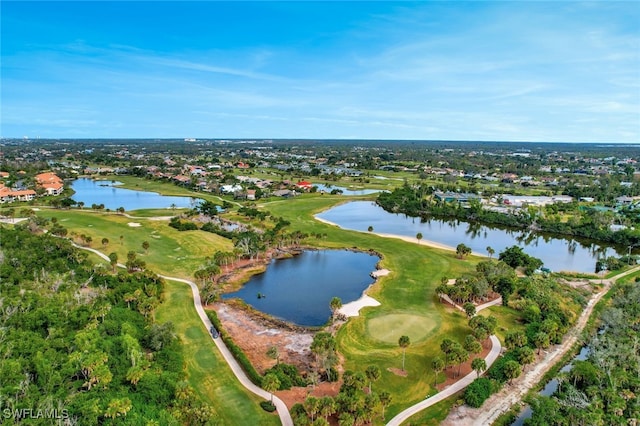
(407, 293)
(170, 252)
(408, 303)
(206, 370)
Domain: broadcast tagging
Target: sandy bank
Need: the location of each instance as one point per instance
(352, 309)
(413, 240)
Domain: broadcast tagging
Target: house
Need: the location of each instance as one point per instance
(455, 196)
(284, 193)
(229, 189)
(251, 194)
(624, 200)
(9, 196)
(4, 175)
(303, 184)
(50, 182)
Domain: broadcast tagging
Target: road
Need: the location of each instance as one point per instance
(282, 409)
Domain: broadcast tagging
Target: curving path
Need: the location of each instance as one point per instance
(499, 403)
(496, 348)
(283, 411)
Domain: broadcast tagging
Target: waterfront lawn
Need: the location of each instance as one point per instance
(206, 370)
(170, 252)
(409, 290)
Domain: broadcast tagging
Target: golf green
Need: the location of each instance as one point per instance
(389, 328)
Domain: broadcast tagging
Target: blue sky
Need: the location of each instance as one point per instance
(518, 71)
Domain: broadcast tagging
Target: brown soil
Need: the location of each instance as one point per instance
(451, 373)
(397, 371)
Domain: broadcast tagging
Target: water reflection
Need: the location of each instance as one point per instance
(557, 253)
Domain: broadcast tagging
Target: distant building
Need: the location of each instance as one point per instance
(9, 196)
(455, 196)
(50, 182)
(306, 185)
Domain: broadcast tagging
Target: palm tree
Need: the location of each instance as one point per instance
(438, 365)
(385, 400)
(327, 407)
(105, 242)
(311, 406)
(113, 260)
(270, 383)
(336, 304)
(419, 236)
(491, 251)
(479, 365)
(403, 342)
(512, 370)
(373, 374)
(145, 246)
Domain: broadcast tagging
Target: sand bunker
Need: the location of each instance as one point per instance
(134, 224)
(352, 309)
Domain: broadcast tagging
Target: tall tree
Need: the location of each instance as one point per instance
(419, 237)
(113, 260)
(270, 383)
(479, 365)
(491, 251)
(403, 342)
(335, 305)
(373, 374)
(438, 365)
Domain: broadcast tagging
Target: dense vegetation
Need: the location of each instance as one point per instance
(416, 201)
(76, 339)
(604, 389)
(546, 310)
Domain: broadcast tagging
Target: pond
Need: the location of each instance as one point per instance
(299, 289)
(106, 192)
(345, 191)
(558, 254)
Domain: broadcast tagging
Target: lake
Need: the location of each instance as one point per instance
(299, 289)
(106, 192)
(345, 191)
(558, 254)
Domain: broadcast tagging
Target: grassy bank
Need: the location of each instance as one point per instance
(408, 305)
(206, 370)
(170, 252)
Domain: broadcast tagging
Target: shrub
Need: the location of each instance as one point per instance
(235, 350)
(478, 392)
(268, 406)
(288, 376)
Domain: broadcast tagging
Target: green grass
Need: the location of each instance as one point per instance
(171, 252)
(408, 303)
(389, 328)
(207, 372)
(508, 320)
(408, 290)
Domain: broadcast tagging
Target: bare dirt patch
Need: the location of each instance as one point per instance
(255, 335)
(397, 371)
